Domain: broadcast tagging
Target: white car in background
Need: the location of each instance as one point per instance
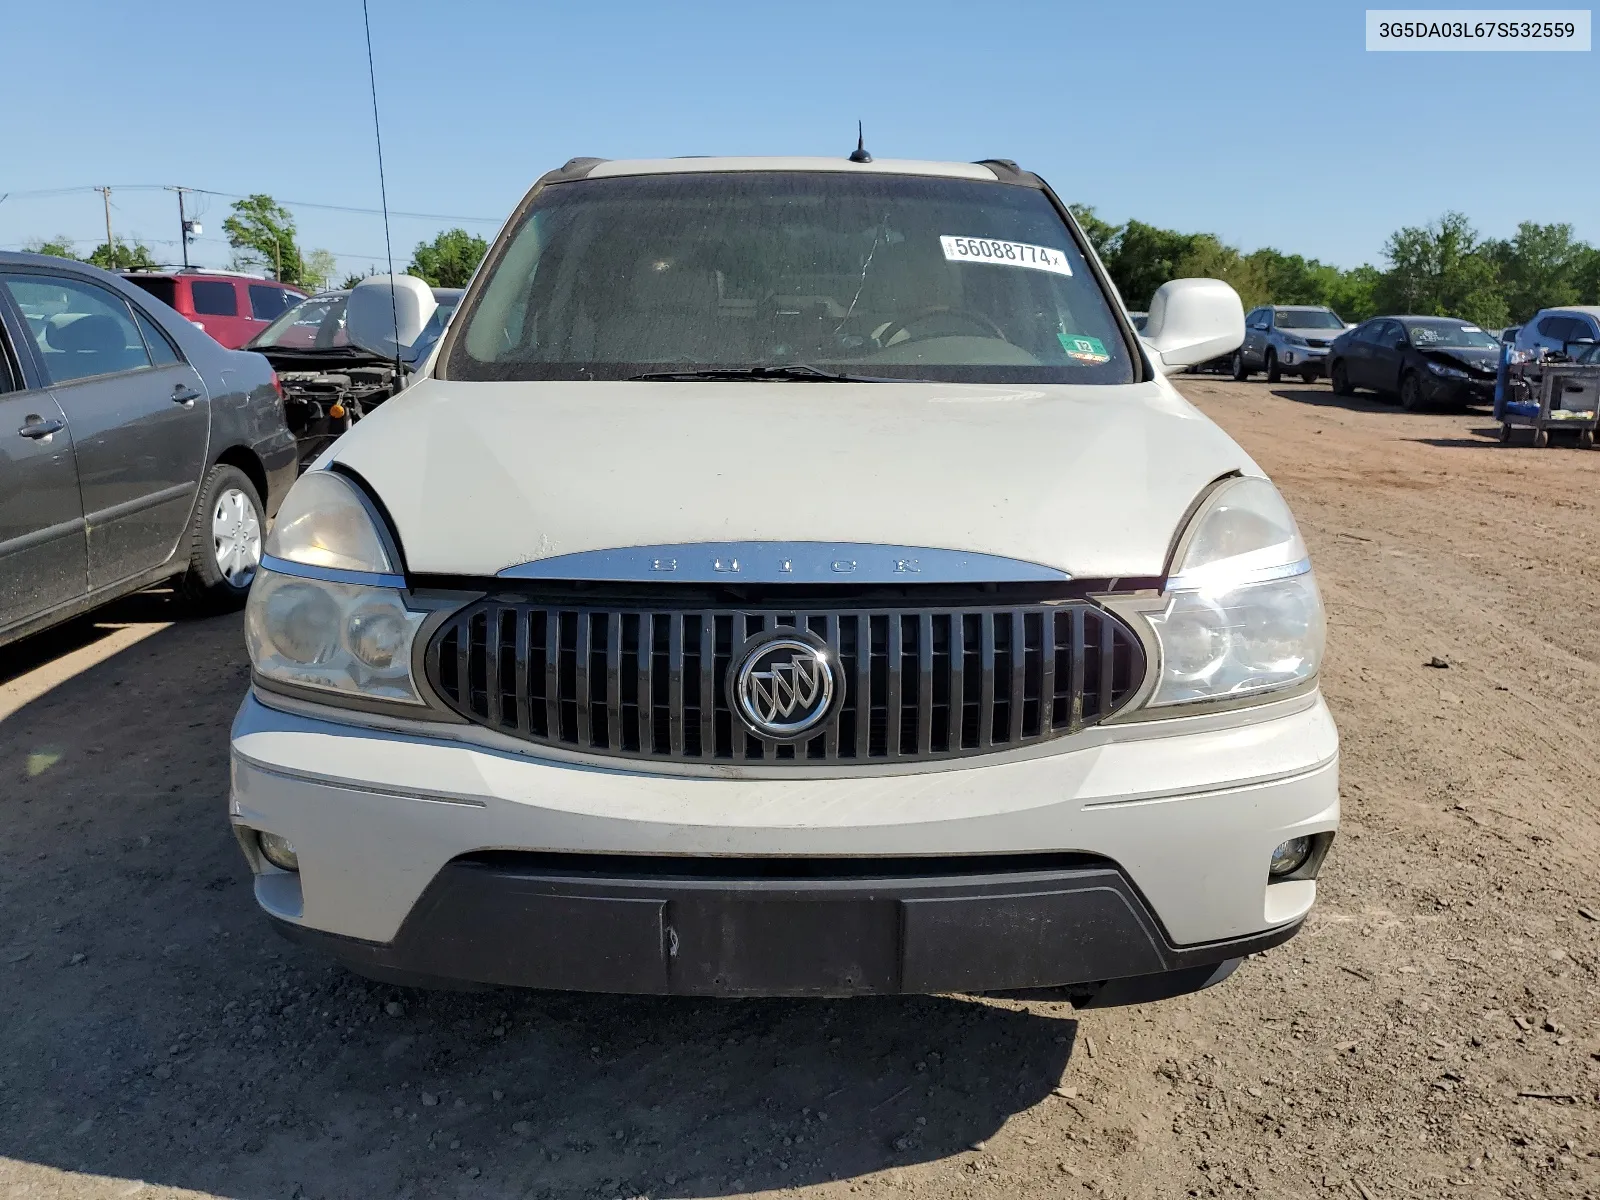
(789, 577)
(1552, 329)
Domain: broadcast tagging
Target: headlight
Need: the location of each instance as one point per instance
(1293, 339)
(1242, 612)
(325, 522)
(327, 610)
(1439, 368)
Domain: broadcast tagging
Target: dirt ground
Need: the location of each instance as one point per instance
(1435, 1030)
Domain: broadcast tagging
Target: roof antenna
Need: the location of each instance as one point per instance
(859, 154)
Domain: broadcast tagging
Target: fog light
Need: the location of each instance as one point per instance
(279, 851)
(1286, 859)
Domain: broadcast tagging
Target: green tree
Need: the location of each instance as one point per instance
(123, 257)
(1102, 235)
(351, 280)
(1588, 275)
(1292, 279)
(1145, 257)
(1540, 267)
(1353, 293)
(320, 267)
(449, 260)
(1208, 258)
(1440, 269)
(60, 246)
(263, 231)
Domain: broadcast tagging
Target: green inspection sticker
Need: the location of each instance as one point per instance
(1084, 349)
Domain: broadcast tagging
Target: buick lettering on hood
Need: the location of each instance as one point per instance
(789, 576)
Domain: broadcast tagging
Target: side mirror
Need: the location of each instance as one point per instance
(1193, 321)
(1400, 343)
(384, 309)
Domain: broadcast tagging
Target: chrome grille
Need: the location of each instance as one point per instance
(916, 683)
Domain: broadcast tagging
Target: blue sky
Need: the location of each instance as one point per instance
(1267, 124)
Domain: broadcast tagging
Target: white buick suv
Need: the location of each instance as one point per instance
(789, 577)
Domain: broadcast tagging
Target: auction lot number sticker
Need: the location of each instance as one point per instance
(1006, 254)
(1453, 29)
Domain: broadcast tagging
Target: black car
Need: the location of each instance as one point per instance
(133, 448)
(328, 384)
(1427, 362)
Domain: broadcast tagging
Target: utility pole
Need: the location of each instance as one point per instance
(111, 247)
(186, 227)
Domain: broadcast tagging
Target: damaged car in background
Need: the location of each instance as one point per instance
(330, 384)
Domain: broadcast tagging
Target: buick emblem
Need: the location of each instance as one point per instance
(783, 686)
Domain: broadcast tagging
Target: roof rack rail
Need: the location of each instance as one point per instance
(1005, 168)
(573, 168)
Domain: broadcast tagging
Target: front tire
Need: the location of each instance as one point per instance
(1273, 374)
(1308, 377)
(1411, 393)
(225, 541)
(1340, 378)
(1239, 372)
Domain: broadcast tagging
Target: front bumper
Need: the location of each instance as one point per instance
(1302, 359)
(591, 924)
(1140, 853)
(1449, 390)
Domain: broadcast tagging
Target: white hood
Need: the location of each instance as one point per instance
(1093, 481)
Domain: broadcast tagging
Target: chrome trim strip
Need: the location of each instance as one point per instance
(296, 775)
(784, 562)
(331, 574)
(1208, 576)
(1233, 785)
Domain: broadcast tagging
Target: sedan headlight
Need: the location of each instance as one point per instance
(1242, 613)
(327, 611)
(1445, 369)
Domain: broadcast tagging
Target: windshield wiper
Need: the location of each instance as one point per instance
(791, 372)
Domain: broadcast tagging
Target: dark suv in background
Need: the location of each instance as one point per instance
(231, 308)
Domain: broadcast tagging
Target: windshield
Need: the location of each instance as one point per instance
(876, 275)
(1451, 335)
(314, 324)
(1306, 318)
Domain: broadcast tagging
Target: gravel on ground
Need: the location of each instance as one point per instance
(1433, 1032)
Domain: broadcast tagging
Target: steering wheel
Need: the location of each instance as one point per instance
(905, 325)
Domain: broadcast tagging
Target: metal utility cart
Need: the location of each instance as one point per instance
(1548, 395)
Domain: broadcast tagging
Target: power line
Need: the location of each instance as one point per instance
(371, 212)
(371, 257)
(162, 187)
